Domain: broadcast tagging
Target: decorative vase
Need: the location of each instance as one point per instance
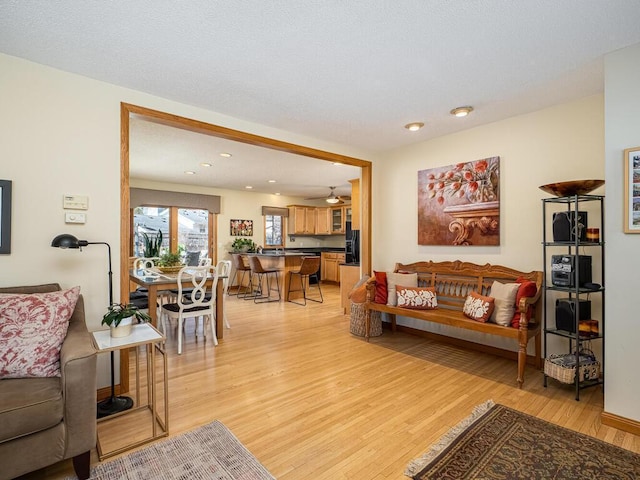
(123, 329)
(484, 192)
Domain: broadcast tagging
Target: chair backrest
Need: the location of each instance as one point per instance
(143, 263)
(256, 264)
(310, 265)
(192, 287)
(224, 272)
(204, 262)
(238, 261)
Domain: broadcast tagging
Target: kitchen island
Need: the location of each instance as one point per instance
(285, 262)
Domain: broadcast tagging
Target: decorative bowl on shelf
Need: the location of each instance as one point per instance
(172, 269)
(573, 187)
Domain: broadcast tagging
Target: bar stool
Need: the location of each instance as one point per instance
(240, 268)
(308, 268)
(258, 272)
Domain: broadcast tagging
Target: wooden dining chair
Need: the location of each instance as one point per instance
(194, 299)
(224, 271)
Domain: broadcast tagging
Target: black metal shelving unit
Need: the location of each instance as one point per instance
(575, 291)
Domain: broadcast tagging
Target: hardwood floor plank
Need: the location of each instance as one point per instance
(311, 401)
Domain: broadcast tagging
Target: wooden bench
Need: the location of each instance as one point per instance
(453, 281)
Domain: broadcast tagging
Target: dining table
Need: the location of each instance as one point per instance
(156, 281)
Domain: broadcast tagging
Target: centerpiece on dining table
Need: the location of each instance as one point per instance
(169, 263)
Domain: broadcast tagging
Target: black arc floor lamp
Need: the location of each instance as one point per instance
(113, 404)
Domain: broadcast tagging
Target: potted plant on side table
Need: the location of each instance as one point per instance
(120, 317)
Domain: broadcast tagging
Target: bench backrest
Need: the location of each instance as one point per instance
(454, 280)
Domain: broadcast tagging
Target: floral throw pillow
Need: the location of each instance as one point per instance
(478, 307)
(32, 329)
(417, 298)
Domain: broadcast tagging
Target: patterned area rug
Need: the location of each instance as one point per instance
(496, 442)
(211, 452)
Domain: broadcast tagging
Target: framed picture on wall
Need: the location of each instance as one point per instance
(241, 228)
(632, 190)
(5, 216)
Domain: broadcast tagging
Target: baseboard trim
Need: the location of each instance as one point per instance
(467, 344)
(105, 392)
(621, 423)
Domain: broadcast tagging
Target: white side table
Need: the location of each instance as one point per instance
(143, 334)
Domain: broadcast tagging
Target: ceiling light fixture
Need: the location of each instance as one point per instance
(271, 181)
(277, 193)
(225, 155)
(414, 127)
(189, 172)
(248, 187)
(461, 111)
(332, 200)
(204, 164)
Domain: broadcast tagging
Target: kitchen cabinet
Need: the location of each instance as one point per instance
(355, 204)
(337, 220)
(330, 271)
(323, 221)
(302, 220)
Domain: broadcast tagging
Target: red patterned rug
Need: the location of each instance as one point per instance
(497, 442)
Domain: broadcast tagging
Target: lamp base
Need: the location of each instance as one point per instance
(113, 405)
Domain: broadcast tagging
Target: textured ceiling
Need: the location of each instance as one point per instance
(351, 72)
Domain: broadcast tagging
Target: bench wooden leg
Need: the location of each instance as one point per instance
(392, 317)
(522, 362)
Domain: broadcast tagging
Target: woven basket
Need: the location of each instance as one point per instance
(563, 367)
(174, 269)
(358, 323)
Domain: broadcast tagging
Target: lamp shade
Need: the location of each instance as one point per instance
(66, 240)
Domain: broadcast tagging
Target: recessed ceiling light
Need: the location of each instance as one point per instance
(205, 164)
(189, 172)
(337, 163)
(225, 155)
(277, 193)
(414, 127)
(461, 111)
(248, 187)
(272, 181)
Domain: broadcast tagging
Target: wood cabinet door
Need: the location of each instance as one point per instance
(323, 218)
(337, 220)
(298, 222)
(310, 220)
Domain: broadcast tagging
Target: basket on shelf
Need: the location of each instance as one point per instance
(358, 321)
(563, 367)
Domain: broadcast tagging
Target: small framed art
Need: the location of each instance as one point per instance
(632, 190)
(5, 216)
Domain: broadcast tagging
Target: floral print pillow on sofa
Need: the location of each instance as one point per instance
(32, 329)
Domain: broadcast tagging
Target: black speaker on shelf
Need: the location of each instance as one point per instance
(564, 229)
(563, 270)
(566, 313)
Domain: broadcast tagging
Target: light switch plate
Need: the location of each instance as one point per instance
(75, 202)
(75, 217)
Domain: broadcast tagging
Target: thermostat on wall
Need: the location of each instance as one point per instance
(75, 202)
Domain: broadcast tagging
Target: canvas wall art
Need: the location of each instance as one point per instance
(460, 204)
(241, 228)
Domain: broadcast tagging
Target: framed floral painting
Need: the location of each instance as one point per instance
(241, 228)
(460, 204)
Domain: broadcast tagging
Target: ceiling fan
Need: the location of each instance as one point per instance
(332, 197)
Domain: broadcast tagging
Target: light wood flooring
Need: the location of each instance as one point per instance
(311, 401)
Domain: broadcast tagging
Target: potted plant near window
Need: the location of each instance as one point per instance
(243, 245)
(120, 317)
(170, 263)
(152, 244)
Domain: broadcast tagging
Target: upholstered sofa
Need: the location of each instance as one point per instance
(46, 420)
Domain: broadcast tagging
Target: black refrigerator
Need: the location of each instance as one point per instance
(352, 244)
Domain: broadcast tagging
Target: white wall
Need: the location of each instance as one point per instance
(60, 134)
(622, 104)
(564, 142)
